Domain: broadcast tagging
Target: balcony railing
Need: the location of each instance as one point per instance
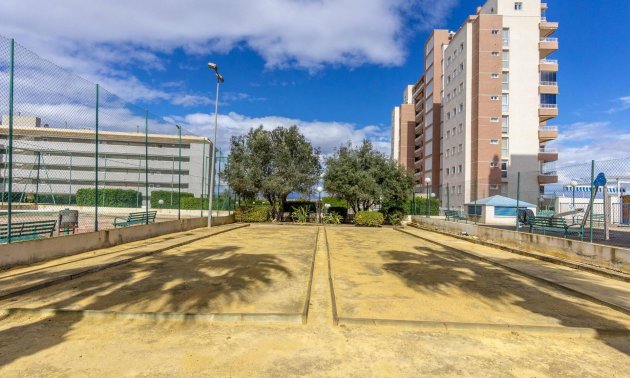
(543, 18)
(548, 39)
(548, 150)
(549, 106)
(548, 61)
(549, 83)
(548, 128)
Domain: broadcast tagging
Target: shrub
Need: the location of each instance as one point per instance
(335, 202)
(332, 218)
(166, 196)
(112, 197)
(300, 214)
(252, 213)
(291, 206)
(369, 218)
(342, 211)
(420, 207)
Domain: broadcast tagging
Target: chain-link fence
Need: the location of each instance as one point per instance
(75, 157)
(589, 201)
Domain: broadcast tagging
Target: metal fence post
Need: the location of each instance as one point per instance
(448, 198)
(203, 176)
(96, 166)
(593, 195)
(219, 183)
(179, 175)
(10, 199)
(476, 185)
(146, 165)
(518, 196)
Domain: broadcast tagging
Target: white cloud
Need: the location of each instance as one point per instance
(326, 135)
(301, 33)
(623, 103)
(582, 142)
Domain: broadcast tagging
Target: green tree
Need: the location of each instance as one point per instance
(363, 177)
(272, 164)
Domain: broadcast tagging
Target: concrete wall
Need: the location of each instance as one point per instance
(28, 252)
(596, 254)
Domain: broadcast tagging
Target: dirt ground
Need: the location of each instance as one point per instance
(33, 345)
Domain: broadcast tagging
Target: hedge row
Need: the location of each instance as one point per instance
(369, 218)
(109, 197)
(252, 213)
(166, 196)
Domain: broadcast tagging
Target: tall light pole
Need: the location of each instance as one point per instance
(179, 175)
(427, 181)
(220, 80)
(319, 204)
(573, 185)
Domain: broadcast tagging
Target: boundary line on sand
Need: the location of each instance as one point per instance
(333, 298)
(307, 302)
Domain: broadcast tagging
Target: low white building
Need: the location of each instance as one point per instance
(497, 210)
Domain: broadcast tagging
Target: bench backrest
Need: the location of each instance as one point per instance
(450, 213)
(141, 216)
(28, 228)
(547, 222)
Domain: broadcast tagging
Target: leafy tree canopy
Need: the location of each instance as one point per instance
(363, 177)
(272, 164)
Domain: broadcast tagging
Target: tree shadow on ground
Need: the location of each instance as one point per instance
(220, 274)
(437, 270)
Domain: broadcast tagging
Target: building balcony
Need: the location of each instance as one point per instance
(547, 46)
(547, 155)
(547, 178)
(547, 133)
(418, 153)
(548, 65)
(547, 112)
(548, 87)
(547, 28)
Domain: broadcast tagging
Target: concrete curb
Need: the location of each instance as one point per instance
(452, 327)
(333, 298)
(307, 302)
(101, 267)
(575, 292)
(608, 273)
(161, 316)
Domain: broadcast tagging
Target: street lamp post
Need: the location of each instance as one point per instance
(179, 175)
(220, 80)
(319, 204)
(427, 181)
(573, 185)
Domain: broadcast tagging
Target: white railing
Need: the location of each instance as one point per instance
(549, 83)
(548, 150)
(543, 18)
(549, 106)
(548, 39)
(548, 128)
(548, 61)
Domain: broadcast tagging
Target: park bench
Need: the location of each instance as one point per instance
(27, 230)
(141, 217)
(455, 215)
(549, 224)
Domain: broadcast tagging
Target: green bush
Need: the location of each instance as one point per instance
(420, 207)
(165, 195)
(109, 197)
(332, 218)
(342, 211)
(369, 218)
(291, 206)
(252, 214)
(335, 202)
(300, 214)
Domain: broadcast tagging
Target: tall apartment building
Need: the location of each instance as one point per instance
(483, 103)
(403, 126)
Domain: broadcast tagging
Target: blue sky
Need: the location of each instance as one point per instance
(335, 67)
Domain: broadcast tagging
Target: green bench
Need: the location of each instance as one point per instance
(455, 215)
(549, 224)
(27, 230)
(141, 217)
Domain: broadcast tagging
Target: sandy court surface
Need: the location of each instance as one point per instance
(385, 274)
(255, 269)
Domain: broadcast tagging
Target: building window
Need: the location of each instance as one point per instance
(494, 98)
(460, 169)
(461, 47)
(506, 60)
(461, 66)
(506, 81)
(460, 128)
(495, 31)
(506, 37)
(495, 53)
(505, 103)
(448, 133)
(460, 148)
(447, 170)
(495, 75)
(518, 5)
(448, 115)
(505, 149)
(459, 189)
(505, 124)
(494, 164)
(461, 108)
(494, 141)
(494, 119)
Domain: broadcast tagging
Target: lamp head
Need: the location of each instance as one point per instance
(320, 189)
(427, 180)
(213, 66)
(574, 183)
